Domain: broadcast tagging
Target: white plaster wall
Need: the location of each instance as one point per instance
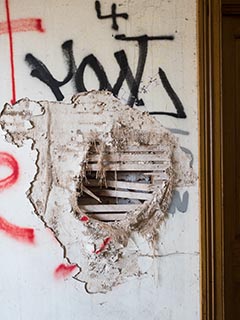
(170, 289)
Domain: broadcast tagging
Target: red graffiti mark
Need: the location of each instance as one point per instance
(22, 25)
(10, 162)
(18, 233)
(17, 26)
(84, 218)
(13, 100)
(63, 270)
(103, 245)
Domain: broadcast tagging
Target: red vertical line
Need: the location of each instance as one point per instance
(11, 51)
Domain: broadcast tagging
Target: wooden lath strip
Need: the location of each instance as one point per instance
(129, 157)
(122, 185)
(157, 175)
(123, 194)
(90, 193)
(143, 148)
(157, 182)
(108, 216)
(129, 167)
(92, 208)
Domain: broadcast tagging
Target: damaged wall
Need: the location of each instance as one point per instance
(118, 145)
(151, 66)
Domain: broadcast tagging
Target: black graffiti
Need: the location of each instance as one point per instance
(177, 203)
(96, 66)
(173, 96)
(143, 38)
(179, 131)
(190, 154)
(133, 81)
(40, 71)
(114, 15)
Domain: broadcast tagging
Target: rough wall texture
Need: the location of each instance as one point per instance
(105, 137)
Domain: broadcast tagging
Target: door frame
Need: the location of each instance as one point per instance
(211, 177)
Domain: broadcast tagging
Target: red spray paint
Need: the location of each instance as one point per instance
(17, 26)
(103, 245)
(16, 232)
(63, 270)
(22, 25)
(13, 100)
(84, 219)
(8, 160)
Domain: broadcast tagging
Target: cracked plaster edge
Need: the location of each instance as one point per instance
(8, 135)
(9, 138)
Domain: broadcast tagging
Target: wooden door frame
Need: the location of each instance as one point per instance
(210, 114)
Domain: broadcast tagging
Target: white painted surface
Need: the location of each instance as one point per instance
(28, 288)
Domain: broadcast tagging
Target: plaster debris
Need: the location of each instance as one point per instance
(104, 172)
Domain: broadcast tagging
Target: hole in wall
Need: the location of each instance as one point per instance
(117, 182)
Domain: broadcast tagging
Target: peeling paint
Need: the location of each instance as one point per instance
(65, 137)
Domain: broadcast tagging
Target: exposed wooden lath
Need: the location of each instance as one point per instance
(130, 177)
